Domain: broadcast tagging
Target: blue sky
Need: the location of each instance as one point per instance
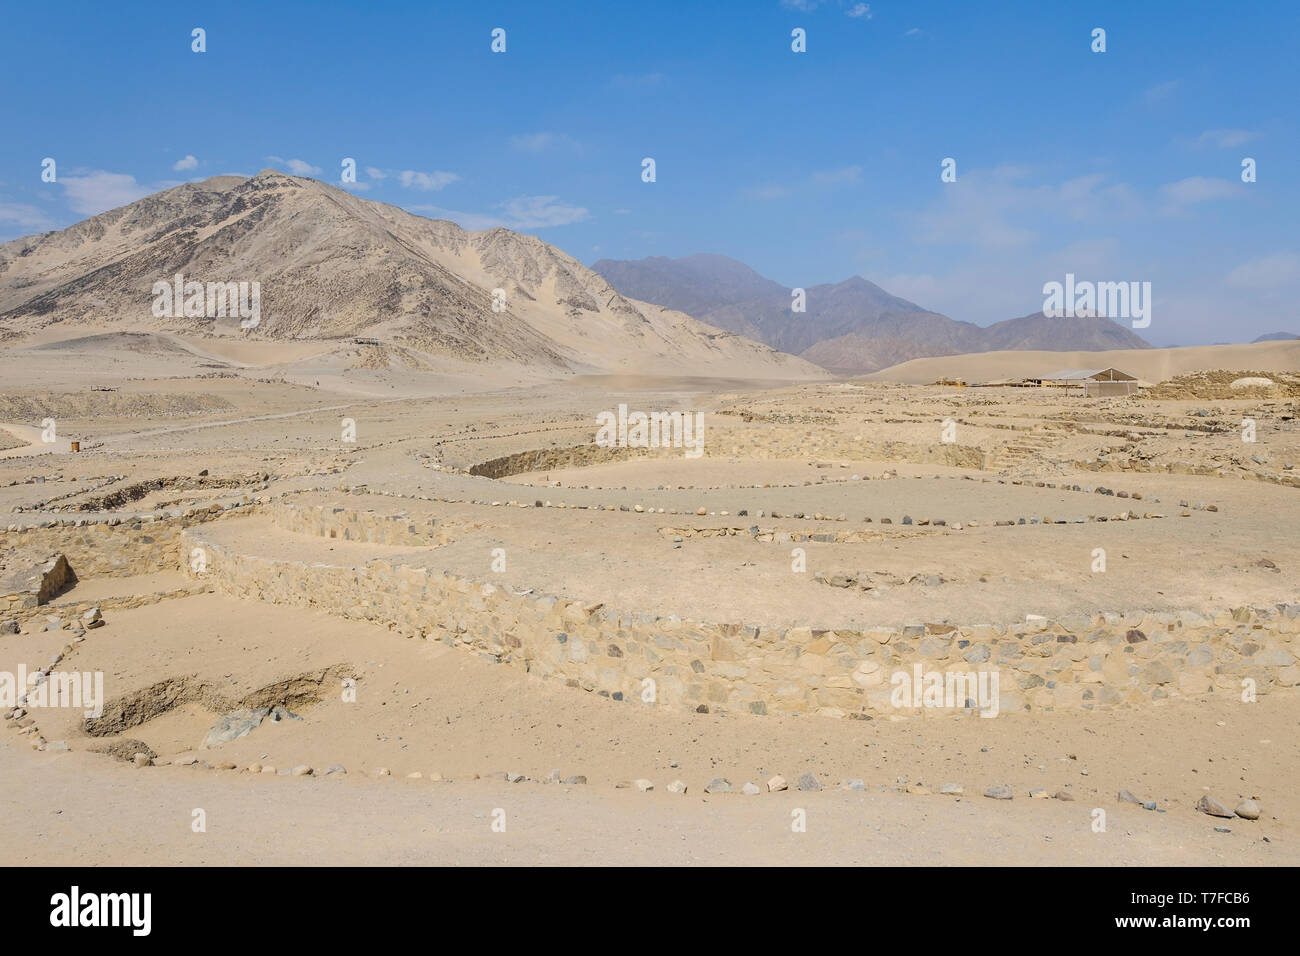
(810, 167)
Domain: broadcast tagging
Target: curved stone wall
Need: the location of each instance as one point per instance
(1112, 660)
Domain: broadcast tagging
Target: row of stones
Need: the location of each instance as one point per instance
(1180, 468)
(1105, 661)
(37, 620)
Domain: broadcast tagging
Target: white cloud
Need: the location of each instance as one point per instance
(772, 191)
(1225, 138)
(538, 212)
(1196, 189)
(832, 177)
(913, 32)
(997, 208)
(1160, 92)
(523, 212)
(804, 6)
(375, 172)
(25, 217)
(820, 178)
(299, 167)
(860, 11)
(189, 162)
(1268, 272)
(98, 191)
(426, 182)
(540, 142)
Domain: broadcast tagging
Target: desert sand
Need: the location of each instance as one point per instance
(403, 597)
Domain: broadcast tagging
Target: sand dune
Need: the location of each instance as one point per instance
(1151, 365)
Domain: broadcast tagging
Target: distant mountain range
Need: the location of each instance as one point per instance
(1276, 337)
(332, 266)
(848, 327)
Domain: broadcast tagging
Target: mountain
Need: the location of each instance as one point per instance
(1276, 337)
(849, 327)
(334, 266)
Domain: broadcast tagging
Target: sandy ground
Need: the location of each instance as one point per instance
(433, 710)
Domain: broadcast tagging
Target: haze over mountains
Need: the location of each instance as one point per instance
(332, 266)
(852, 326)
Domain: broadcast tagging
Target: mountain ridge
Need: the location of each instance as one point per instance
(331, 265)
(853, 326)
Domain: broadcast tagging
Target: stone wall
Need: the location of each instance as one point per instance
(1111, 660)
(350, 525)
(730, 444)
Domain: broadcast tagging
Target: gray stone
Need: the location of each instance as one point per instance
(677, 787)
(575, 780)
(750, 789)
(998, 793)
(1125, 797)
(809, 781)
(1208, 804)
(719, 785)
(1247, 810)
(234, 725)
(952, 790)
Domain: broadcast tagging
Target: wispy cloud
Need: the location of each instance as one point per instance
(1000, 208)
(521, 213)
(26, 218)
(821, 178)
(1198, 189)
(859, 11)
(299, 167)
(98, 191)
(834, 177)
(425, 182)
(1267, 272)
(771, 191)
(1225, 138)
(1159, 93)
(541, 142)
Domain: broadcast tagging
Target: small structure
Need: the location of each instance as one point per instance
(1094, 383)
(76, 445)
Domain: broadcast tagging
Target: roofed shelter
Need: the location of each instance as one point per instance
(1094, 383)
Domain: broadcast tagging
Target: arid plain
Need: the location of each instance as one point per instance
(359, 613)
